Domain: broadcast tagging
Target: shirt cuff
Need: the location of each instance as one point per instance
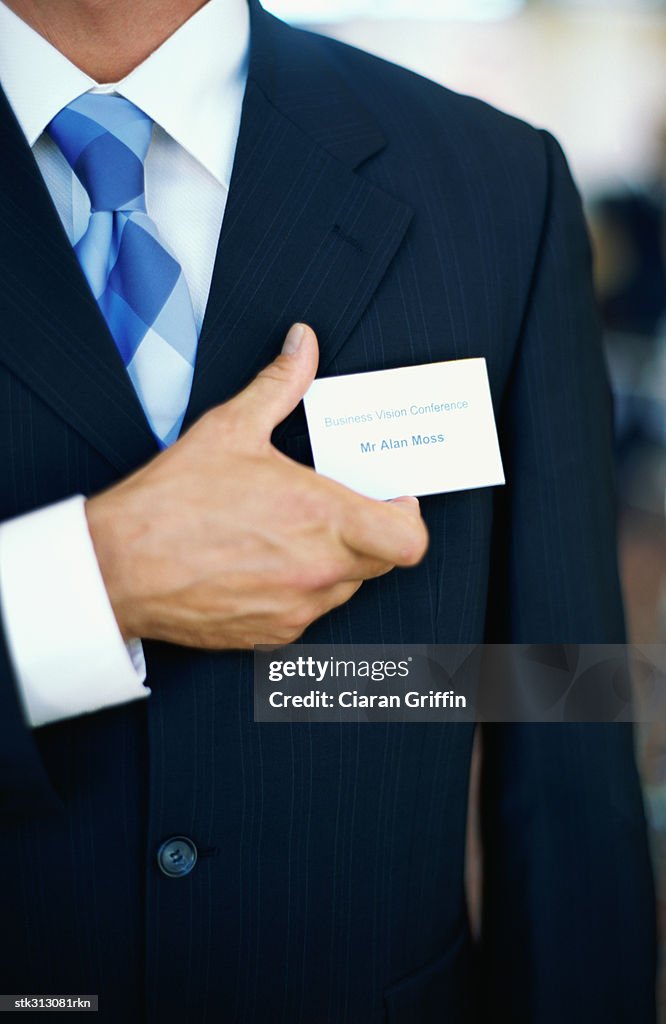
(68, 653)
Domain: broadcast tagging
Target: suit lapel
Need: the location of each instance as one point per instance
(52, 334)
(304, 237)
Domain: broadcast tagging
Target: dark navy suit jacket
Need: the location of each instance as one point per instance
(406, 224)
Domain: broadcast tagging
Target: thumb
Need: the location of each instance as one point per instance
(277, 390)
(408, 502)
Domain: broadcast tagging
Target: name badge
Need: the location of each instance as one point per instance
(413, 430)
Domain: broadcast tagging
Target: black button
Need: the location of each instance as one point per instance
(177, 856)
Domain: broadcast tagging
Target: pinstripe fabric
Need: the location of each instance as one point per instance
(412, 226)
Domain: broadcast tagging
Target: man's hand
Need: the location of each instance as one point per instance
(223, 542)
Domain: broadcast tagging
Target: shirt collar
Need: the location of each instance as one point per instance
(191, 86)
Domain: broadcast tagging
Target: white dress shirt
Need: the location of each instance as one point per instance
(67, 651)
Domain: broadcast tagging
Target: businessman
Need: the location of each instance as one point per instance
(198, 206)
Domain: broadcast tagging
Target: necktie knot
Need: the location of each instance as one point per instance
(105, 140)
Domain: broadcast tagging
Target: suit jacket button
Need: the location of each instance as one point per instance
(177, 856)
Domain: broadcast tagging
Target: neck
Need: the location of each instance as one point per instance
(105, 38)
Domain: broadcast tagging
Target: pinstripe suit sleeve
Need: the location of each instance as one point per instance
(25, 787)
(567, 875)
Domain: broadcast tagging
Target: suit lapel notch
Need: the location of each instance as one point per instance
(305, 236)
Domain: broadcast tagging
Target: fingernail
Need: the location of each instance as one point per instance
(406, 498)
(294, 339)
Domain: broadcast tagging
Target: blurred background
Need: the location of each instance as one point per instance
(594, 73)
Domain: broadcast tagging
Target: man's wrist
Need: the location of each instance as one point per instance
(105, 527)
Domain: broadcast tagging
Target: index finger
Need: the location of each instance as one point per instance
(386, 532)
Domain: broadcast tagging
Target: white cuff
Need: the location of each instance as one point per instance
(67, 650)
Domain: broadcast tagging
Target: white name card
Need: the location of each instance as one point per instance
(412, 430)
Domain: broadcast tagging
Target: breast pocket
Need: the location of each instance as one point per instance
(291, 437)
(439, 993)
(296, 447)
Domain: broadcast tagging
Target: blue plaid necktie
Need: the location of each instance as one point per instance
(137, 282)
